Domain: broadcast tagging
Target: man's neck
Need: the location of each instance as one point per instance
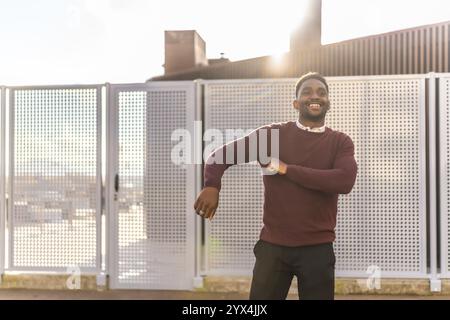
(312, 124)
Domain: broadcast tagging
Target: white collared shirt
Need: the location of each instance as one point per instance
(317, 130)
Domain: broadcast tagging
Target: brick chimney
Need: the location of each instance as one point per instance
(184, 49)
(309, 32)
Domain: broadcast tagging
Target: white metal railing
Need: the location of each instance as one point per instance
(382, 222)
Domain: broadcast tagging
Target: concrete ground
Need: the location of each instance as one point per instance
(27, 294)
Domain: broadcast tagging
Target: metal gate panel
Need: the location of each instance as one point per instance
(241, 105)
(55, 186)
(444, 177)
(382, 222)
(152, 241)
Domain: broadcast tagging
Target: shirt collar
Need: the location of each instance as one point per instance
(317, 130)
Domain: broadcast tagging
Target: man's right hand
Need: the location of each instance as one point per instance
(207, 202)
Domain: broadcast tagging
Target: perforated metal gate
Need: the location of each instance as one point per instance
(55, 178)
(240, 105)
(54, 205)
(152, 223)
(382, 222)
(444, 136)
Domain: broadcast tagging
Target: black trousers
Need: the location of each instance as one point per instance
(276, 266)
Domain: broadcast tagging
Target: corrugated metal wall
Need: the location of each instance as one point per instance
(419, 50)
(411, 51)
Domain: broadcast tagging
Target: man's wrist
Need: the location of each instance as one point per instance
(282, 168)
(277, 166)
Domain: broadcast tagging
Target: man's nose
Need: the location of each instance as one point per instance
(314, 96)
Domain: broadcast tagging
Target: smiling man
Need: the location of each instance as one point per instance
(315, 165)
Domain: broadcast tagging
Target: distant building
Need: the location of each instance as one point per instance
(410, 51)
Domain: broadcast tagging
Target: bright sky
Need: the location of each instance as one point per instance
(96, 41)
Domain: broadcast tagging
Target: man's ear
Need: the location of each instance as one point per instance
(296, 105)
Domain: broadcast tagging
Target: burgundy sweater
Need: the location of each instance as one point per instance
(300, 207)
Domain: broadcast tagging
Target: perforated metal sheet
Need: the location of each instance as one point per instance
(382, 222)
(54, 219)
(444, 118)
(153, 225)
(231, 105)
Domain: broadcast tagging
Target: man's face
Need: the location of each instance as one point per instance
(312, 100)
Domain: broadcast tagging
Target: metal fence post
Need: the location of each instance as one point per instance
(435, 282)
(198, 160)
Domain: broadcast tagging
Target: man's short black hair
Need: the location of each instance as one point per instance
(307, 76)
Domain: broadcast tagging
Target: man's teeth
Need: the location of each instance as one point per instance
(316, 105)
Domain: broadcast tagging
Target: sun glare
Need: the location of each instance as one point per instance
(286, 18)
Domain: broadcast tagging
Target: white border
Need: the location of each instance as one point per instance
(2, 179)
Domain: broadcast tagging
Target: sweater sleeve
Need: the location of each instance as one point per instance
(338, 180)
(239, 151)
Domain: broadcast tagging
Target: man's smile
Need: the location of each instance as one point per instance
(315, 106)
